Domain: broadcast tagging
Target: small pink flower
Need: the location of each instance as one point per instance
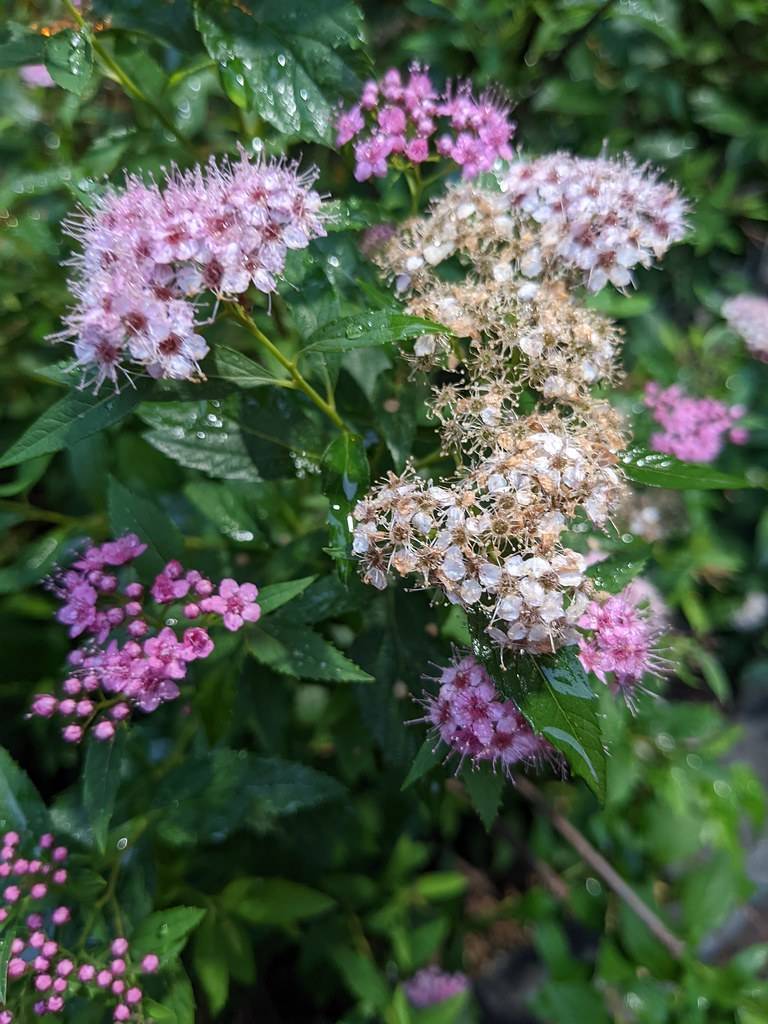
(36, 75)
(236, 603)
(61, 915)
(104, 730)
(150, 963)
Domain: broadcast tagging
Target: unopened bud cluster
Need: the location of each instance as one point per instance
(133, 654)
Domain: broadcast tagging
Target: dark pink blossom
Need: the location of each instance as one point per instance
(236, 603)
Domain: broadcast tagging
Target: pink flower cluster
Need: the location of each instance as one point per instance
(747, 315)
(599, 217)
(431, 985)
(623, 631)
(29, 879)
(148, 251)
(54, 973)
(125, 661)
(471, 718)
(694, 428)
(397, 118)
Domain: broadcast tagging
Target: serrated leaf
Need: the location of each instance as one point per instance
(69, 59)
(101, 781)
(6, 941)
(428, 756)
(273, 901)
(278, 427)
(21, 807)
(369, 330)
(614, 574)
(275, 595)
(79, 414)
(656, 469)
(225, 508)
(345, 478)
(133, 513)
(19, 46)
(239, 369)
(290, 62)
(299, 651)
(485, 788)
(165, 933)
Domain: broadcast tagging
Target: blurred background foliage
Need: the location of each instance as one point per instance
(384, 881)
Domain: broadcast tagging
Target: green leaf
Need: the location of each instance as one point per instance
(485, 788)
(280, 427)
(6, 941)
(29, 473)
(351, 214)
(101, 781)
(440, 885)
(19, 46)
(79, 414)
(554, 694)
(201, 435)
(132, 513)
(614, 574)
(273, 901)
(170, 20)
(449, 1011)
(345, 479)
(296, 650)
(226, 509)
(290, 62)
(239, 369)
(69, 60)
(428, 756)
(369, 330)
(211, 963)
(362, 977)
(658, 470)
(178, 1000)
(276, 595)
(165, 932)
(21, 807)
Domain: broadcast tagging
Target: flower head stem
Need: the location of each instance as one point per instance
(328, 408)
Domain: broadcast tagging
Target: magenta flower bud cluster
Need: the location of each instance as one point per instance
(55, 975)
(431, 985)
(747, 315)
(694, 429)
(148, 251)
(468, 714)
(407, 118)
(621, 633)
(31, 879)
(126, 661)
(597, 217)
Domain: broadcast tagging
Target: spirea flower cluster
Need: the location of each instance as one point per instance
(747, 315)
(589, 222)
(52, 973)
(128, 659)
(431, 985)
(489, 536)
(148, 251)
(408, 118)
(694, 429)
(622, 631)
(470, 717)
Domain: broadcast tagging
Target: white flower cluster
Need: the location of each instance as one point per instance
(747, 315)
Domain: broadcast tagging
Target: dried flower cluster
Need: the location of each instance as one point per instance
(694, 429)
(398, 117)
(55, 974)
(468, 714)
(127, 660)
(489, 537)
(147, 252)
(747, 315)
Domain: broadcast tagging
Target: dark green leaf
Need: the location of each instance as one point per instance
(19, 46)
(273, 901)
(289, 62)
(165, 932)
(29, 473)
(276, 595)
(428, 756)
(211, 963)
(21, 808)
(345, 479)
(168, 20)
(368, 330)
(485, 788)
(614, 574)
(296, 650)
(69, 60)
(352, 214)
(239, 369)
(101, 781)
(658, 470)
(281, 432)
(79, 414)
(6, 941)
(132, 513)
(225, 508)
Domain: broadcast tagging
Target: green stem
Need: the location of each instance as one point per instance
(44, 515)
(328, 408)
(131, 87)
(413, 180)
